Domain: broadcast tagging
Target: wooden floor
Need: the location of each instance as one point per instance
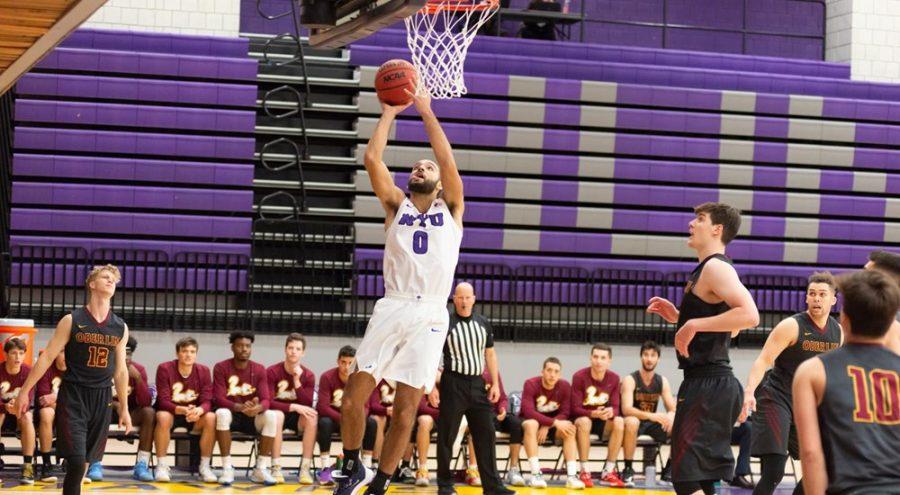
(129, 487)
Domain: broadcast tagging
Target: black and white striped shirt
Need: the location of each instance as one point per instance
(466, 342)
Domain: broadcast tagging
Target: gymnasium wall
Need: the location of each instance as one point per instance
(866, 35)
(518, 361)
(209, 17)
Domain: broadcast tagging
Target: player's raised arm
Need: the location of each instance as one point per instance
(382, 183)
(451, 182)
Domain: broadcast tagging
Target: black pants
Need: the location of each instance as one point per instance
(328, 427)
(465, 395)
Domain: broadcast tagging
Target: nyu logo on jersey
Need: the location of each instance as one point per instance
(436, 220)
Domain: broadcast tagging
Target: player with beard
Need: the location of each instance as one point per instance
(641, 392)
(792, 341)
(405, 336)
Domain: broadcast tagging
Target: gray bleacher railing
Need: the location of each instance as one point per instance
(306, 290)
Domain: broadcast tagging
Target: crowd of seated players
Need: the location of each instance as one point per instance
(241, 395)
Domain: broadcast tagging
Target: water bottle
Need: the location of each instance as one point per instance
(565, 8)
(650, 476)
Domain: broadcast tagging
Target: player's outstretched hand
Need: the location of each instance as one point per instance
(422, 101)
(393, 110)
(125, 419)
(664, 308)
(749, 405)
(683, 337)
(21, 404)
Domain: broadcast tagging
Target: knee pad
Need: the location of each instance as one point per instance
(223, 419)
(269, 424)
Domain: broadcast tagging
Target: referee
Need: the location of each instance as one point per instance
(469, 347)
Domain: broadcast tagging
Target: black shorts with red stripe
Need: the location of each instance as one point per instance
(708, 407)
(82, 420)
(773, 424)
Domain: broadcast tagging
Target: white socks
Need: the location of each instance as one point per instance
(263, 462)
(276, 461)
(226, 461)
(160, 461)
(325, 461)
(535, 464)
(367, 460)
(305, 463)
(204, 462)
(143, 456)
(571, 468)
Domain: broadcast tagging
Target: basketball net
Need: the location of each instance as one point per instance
(439, 36)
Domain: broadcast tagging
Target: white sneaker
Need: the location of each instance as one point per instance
(262, 476)
(514, 477)
(227, 477)
(537, 481)
(207, 475)
(162, 473)
(277, 475)
(573, 483)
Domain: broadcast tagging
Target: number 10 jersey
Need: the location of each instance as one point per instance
(421, 251)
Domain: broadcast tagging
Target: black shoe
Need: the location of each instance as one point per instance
(666, 473)
(628, 476)
(500, 490)
(446, 490)
(49, 473)
(741, 482)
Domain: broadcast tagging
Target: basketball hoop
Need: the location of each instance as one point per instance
(439, 36)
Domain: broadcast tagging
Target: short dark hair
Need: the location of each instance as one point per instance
(600, 346)
(241, 335)
(15, 343)
(295, 337)
(887, 262)
(650, 345)
(553, 360)
(822, 278)
(346, 351)
(131, 345)
(871, 301)
(185, 342)
(722, 214)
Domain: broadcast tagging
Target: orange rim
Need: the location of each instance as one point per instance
(434, 6)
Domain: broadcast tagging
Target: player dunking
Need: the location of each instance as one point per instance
(405, 336)
(94, 340)
(715, 307)
(847, 401)
(792, 341)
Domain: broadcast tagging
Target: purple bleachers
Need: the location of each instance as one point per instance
(131, 169)
(563, 50)
(103, 196)
(123, 88)
(130, 143)
(123, 115)
(210, 46)
(125, 62)
(143, 277)
(170, 248)
(117, 223)
(642, 119)
(649, 74)
(633, 144)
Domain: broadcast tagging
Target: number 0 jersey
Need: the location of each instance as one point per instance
(421, 251)
(91, 350)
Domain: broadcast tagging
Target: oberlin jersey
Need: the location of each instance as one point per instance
(91, 350)
(421, 251)
(859, 419)
(811, 341)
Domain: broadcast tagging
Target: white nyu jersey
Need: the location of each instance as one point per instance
(421, 251)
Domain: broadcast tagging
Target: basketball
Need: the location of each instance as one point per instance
(392, 78)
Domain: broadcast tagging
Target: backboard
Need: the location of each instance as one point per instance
(357, 19)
